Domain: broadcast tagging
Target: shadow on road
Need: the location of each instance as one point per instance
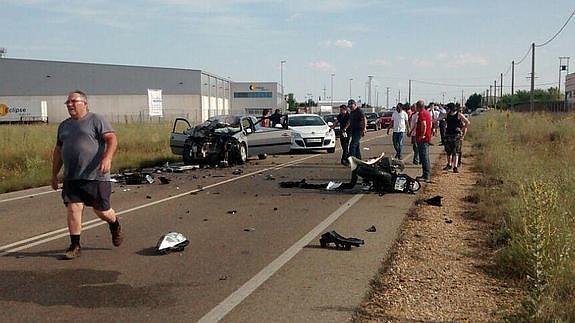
(56, 254)
(83, 288)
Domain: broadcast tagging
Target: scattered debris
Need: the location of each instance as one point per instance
(275, 208)
(249, 229)
(172, 241)
(435, 201)
(333, 185)
(149, 178)
(339, 241)
(371, 229)
(448, 221)
(148, 197)
(238, 171)
(205, 220)
(270, 177)
(365, 148)
(232, 211)
(224, 277)
(164, 180)
(285, 194)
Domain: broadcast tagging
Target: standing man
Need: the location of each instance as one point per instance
(423, 138)
(85, 146)
(442, 115)
(455, 132)
(276, 118)
(400, 125)
(357, 125)
(412, 127)
(343, 119)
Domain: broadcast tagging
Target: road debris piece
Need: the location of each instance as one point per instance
(238, 171)
(148, 197)
(371, 229)
(249, 229)
(339, 241)
(232, 211)
(164, 180)
(333, 185)
(435, 201)
(270, 177)
(170, 242)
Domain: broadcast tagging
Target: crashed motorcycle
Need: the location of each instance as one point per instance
(383, 175)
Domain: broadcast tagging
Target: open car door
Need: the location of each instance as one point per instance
(179, 135)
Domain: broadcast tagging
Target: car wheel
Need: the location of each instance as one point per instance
(263, 156)
(331, 150)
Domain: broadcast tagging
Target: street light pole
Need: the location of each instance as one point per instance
(332, 75)
(350, 79)
(370, 77)
(282, 85)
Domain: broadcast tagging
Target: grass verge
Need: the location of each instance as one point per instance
(527, 192)
(26, 151)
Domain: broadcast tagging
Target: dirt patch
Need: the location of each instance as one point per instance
(442, 268)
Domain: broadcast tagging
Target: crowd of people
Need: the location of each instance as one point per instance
(419, 123)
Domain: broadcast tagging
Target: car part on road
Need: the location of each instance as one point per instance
(339, 241)
(172, 242)
(435, 201)
(371, 229)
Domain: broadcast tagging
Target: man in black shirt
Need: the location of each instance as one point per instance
(343, 119)
(276, 118)
(357, 125)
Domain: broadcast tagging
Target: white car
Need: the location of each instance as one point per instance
(311, 132)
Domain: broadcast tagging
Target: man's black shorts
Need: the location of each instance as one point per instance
(92, 193)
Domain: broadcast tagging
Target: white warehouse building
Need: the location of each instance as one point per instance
(126, 93)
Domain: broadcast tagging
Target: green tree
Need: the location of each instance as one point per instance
(473, 102)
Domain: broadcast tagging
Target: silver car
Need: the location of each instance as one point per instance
(227, 139)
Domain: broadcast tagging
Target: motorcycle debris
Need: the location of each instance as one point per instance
(249, 229)
(270, 177)
(232, 211)
(435, 201)
(164, 180)
(371, 229)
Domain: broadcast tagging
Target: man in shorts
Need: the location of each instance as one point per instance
(85, 146)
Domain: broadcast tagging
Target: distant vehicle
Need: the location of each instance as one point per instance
(333, 118)
(227, 139)
(385, 119)
(311, 132)
(372, 121)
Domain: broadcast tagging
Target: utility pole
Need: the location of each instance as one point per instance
(462, 103)
(409, 93)
(398, 96)
(282, 84)
(376, 96)
(488, 92)
(512, 77)
(442, 97)
(324, 90)
(370, 77)
(332, 75)
(350, 79)
(495, 92)
(532, 96)
(387, 98)
(501, 86)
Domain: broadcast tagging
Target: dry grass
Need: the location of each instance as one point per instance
(526, 191)
(27, 151)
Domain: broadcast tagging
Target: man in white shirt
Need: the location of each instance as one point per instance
(400, 126)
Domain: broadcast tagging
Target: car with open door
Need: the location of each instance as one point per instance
(227, 140)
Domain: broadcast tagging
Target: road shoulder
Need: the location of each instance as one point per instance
(441, 268)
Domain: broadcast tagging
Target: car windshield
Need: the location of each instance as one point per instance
(226, 120)
(371, 116)
(305, 121)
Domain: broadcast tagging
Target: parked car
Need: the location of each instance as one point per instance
(332, 118)
(385, 119)
(227, 139)
(372, 121)
(311, 132)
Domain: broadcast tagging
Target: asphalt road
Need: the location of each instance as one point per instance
(275, 272)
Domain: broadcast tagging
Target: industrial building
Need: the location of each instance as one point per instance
(36, 89)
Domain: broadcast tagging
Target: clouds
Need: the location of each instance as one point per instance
(339, 43)
(322, 66)
(461, 59)
(380, 62)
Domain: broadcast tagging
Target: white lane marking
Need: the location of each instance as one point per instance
(227, 305)
(90, 224)
(29, 195)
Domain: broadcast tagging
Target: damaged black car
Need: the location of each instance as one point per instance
(227, 140)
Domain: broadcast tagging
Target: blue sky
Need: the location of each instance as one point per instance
(449, 42)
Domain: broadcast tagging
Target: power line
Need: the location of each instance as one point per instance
(524, 56)
(476, 85)
(560, 30)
